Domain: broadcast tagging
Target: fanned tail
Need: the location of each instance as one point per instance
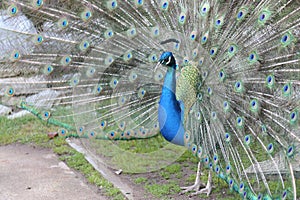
(89, 66)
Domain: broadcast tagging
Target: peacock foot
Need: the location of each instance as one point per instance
(197, 185)
(206, 190)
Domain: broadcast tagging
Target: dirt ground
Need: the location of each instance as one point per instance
(37, 174)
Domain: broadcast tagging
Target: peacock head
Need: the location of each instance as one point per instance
(167, 59)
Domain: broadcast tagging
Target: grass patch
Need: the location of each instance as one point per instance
(186, 157)
(165, 175)
(161, 190)
(140, 180)
(191, 179)
(173, 169)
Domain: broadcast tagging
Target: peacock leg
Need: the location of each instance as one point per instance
(207, 189)
(197, 183)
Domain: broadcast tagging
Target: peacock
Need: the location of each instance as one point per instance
(219, 77)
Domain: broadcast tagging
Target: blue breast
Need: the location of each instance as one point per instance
(170, 112)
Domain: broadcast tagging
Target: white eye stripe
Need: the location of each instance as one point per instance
(159, 63)
(168, 61)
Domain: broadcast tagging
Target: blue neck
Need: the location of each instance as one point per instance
(170, 82)
(169, 112)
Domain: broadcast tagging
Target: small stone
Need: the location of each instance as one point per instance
(52, 135)
(119, 172)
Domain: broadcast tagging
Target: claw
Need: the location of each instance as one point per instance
(194, 187)
(206, 190)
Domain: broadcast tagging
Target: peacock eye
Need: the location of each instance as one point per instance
(182, 18)
(12, 10)
(193, 35)
(270, 148)
(227, 137)
(86, 15)
(240, 122)
(286, 90)
(37, 3)
(155, 31)
(287, 39)
(294, 117)
(290, 151)
(65, 60)
(284, 194)
(64, 23)
(131, 32)
(113, 4)
(204, 10)
(264, 16)
(259, 197)
(46, 114)
(213, 51)
(241, 186)
(10, 92)
(39, 39)
(139, 2)
(240, 14)
(209, 91)
(16, 55)
(221, 75)
(165, 5)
